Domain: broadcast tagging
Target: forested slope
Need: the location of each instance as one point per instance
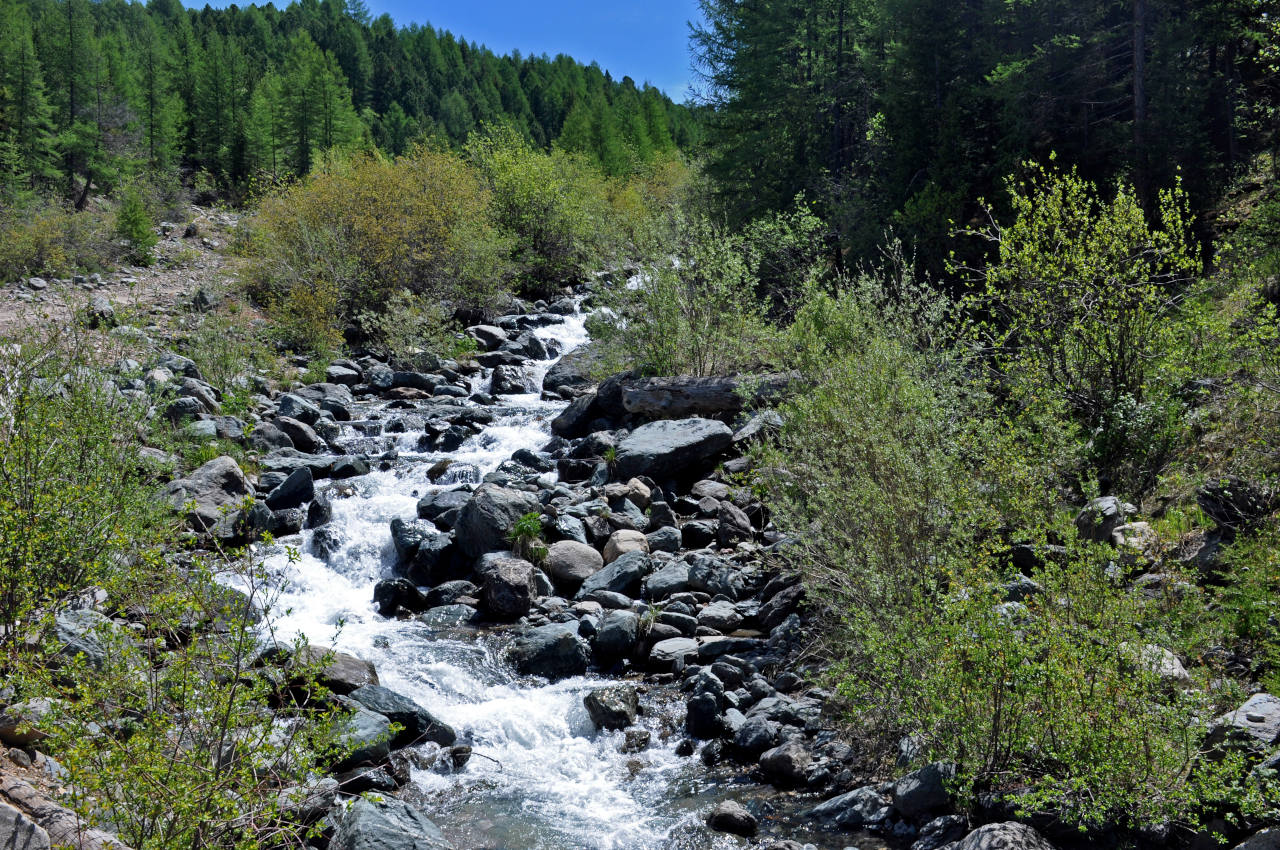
(91, 92)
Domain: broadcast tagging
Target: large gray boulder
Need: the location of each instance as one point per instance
(860, 807)
(924, 790)
(554, 651)
(1003, 836)
(19, 832)
(622, 576)
(1100, 518)
(617, 634)
(671, 448)
(364, 736)
(685, 395)
(85, 634)
(1256, 720)
(485, 522)
(613, 707)
(387, 824)
(417, 723)
(572, 562)
(340, 672)
(786, 763)
(509, 588)
(212, 492)
(672, 578)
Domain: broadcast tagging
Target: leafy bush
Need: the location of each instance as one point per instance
(908, 483)
(179, 740)
(338, 246)
(74, 504)
(553, 206)
(694, 312)
(1084, 296)
(47, 238)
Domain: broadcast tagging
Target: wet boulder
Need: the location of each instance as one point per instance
(338, 671)
(672, 448)
(733, 818)
(508, 591)
(417, 724)
(509, 380)
(554, 651)
(296, 407)
(364, 737)
(613, 707)
(485, 522)
(434, 504)
(386, 824)
(575, 420)
(392, 595)
(297, 489)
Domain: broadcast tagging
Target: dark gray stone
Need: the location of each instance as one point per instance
(296, 489)
(617, 634)
(731, 817)
(671, 448)
(386, 824)
(621, 576)
(924, 790)
(613, 707)
(554, 651)
(485, 522)
(418, 724)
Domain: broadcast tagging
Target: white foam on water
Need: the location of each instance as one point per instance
(541, 776)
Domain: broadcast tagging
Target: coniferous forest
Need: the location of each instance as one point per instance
(92, 92)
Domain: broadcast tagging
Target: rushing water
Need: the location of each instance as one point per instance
(542, 776)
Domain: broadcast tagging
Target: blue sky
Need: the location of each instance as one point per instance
(647, 40)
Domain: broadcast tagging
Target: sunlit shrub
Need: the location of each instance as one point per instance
(349, 238)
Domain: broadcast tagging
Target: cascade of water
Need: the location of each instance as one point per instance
(542, 775)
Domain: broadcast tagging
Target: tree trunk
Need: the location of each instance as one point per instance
(1140, 98)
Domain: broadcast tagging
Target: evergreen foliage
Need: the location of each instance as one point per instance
(92, 92)
(902, 112)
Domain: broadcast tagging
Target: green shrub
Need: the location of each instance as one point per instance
(693, 312)
(553, 206)
(1084, 298)
(133, 225)
(906, 482)
(175, 738)
(74, 504)
(336, 248)
(527, 540)
(48, 238)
